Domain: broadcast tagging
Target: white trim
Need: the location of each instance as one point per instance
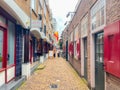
(2, 78)
(92, 61)
(41, 59)
(10, 73)
(84, 36)
(26, 69)
(37, 33)
(98, 29)
(82, 57)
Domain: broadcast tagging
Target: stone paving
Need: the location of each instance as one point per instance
(56, 72)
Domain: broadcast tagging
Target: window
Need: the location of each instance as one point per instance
(76, 34)
(33, 4)
(99, 47)
(76, 37)
(45, 9)
(2, 19)
(45, 30)
(84, 25)
(98, 14)
(71, 37)
(1, 48)
(11, 44)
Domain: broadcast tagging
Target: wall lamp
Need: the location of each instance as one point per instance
(69, 14)
(67, 22)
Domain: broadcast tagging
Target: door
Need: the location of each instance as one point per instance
(67, 50)
(85, 58)
(99, 69)
(1, 48)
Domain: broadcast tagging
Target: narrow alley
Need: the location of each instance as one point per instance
(83, 34)
(57, 74)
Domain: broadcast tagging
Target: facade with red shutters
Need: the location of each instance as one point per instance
(98, 25)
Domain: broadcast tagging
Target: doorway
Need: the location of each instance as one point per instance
(85, 58)
(99, 69)
(67, 50)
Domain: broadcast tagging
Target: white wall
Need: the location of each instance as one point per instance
(10, 73)
(2, 78)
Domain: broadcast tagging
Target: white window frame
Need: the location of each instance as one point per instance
(84, 26)
(93, 11)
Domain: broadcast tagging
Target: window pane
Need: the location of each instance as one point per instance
(102, 16)
(101, 58)
(101, 48)
(2, 19)
(11, 38)
(97, 57)
(97, 48)
(1, 47)
(97, 14)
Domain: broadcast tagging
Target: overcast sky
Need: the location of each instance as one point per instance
(60, 8)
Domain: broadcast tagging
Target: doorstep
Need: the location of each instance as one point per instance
(14, 84)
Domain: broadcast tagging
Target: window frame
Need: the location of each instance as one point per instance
(97, 8)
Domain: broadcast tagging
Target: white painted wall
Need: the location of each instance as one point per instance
(47, 55)
(92, 61)
(26, 69)
(2, 78)
(41, 59)
(10, 73)
(82, 57)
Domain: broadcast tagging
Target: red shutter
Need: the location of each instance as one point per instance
(78, 49)
(112, 48)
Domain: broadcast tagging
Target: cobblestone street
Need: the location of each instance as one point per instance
(57, 72)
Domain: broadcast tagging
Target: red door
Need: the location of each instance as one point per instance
(3, 48)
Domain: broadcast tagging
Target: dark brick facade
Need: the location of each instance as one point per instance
(19, 48)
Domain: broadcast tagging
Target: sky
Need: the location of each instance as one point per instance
(60, 9)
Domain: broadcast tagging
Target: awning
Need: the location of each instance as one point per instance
(36, 32)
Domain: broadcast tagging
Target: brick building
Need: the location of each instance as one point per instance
(25, 29)
(89, 33)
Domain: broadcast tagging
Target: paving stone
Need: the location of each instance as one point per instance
(57, 71)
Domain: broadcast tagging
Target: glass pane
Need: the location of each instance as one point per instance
(101, 48)
(2, 19)
(1, 47)
(97, 48)
(97, 57)
(11, 39)
(102, 16)
(101, 58)
(98, 19)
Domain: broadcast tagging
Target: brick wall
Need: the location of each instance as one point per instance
(112, 15)
(112, 11)
(25, 6)
(80, 13)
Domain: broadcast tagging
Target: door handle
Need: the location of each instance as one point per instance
(8, 56)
